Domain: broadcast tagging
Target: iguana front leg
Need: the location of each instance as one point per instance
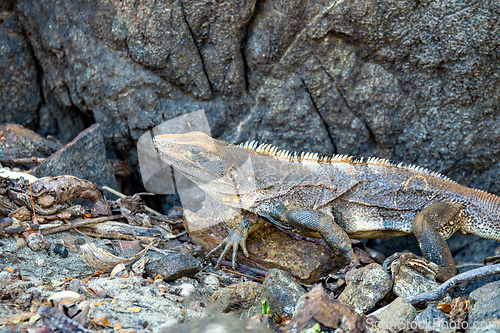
(239, 228)
(313, 220)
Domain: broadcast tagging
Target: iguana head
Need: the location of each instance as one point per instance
(205, 161)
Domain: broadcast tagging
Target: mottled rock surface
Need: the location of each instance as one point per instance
(397, 313)
(20, 96)
(284, 289)
(412, 81)
(365, 287)
(484, 307)
(84, 157)
(174, 265)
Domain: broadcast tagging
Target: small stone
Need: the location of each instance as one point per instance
(61, 250)
(409, 282)
(40, 262)
(432, 319)
(284, 289)
(186, 289)
(398, 313)
(174, 265)
(36, 242)
(77, 286)
(139, 267)
(365, 287)
(211, 282)
(484, 307)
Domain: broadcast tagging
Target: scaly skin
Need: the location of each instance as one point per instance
(334, 197)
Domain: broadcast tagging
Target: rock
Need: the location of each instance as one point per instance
(61, 250)
(464, 289)
(399, 312)
(432, 319)
(211, 282)
(330, 313)
(365, 287)
(318, 76)
(484, 308)
(174, 265)
(284, 289)
(19, 142)
(20, 96)
(270, 248)
(37, 242)
(408, 282)
(84, 157)
(186, 289)
(248, 297)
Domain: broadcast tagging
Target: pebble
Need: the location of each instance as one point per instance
(248, 296)
(432, 319)
(174, 265)
(284, 289)
(365, 287)
(397, 314)
(186, 289)
(40, 262)
(211, 282)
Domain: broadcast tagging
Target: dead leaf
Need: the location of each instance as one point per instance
(134, 309)
(101, 321)
(444, 307)
(102, 260)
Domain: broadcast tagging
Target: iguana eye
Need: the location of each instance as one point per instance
(194, 151)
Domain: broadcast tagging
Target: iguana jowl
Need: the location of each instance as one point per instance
(333, 197)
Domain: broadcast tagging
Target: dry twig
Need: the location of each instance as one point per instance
(80, 223)
(121, 195)
(440, 292)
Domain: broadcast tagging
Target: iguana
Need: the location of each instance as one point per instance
(333, 197)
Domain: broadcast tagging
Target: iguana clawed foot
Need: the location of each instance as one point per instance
(237, 237)
(429, 269)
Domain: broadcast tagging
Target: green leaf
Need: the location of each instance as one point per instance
(265, 307)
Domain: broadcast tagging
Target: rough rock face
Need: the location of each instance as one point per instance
(417, 81)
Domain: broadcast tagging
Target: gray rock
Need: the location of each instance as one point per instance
(484, 308)
(413, 83)
(19, 90)
(464, 289)
(19, 142)
(174, 265)
(365, 287)
(399, 312)
(84, 157)
(284, 289)
(432, 320)
(408, 282)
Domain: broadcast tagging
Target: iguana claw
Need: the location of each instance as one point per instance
(237, 237)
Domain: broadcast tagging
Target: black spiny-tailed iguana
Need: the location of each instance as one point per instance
(333, 197)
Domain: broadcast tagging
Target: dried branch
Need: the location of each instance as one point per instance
(80, 223)
(121, 195)
(27, 160)
(440, 292)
